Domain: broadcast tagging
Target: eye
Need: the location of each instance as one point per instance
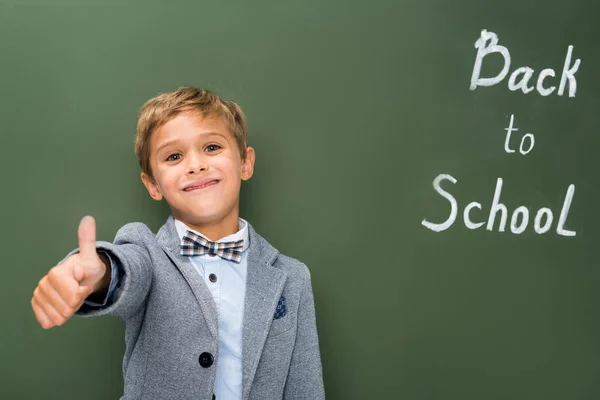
(212, 147)
(170, 158)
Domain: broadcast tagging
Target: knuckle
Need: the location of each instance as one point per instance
(38, 294)
(42, 281)
(44, 285)
(66, 312)
(57, 319)
(42, 319)
(42, 289)
(73, 300)
(52, 273)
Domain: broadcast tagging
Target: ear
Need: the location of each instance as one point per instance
(248, 164)
(152, 187)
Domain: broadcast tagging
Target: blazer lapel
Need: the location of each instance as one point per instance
(264, 286)
(168, 238)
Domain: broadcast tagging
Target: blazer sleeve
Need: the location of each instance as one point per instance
(305, 375)
(132, 272)
(114, 280)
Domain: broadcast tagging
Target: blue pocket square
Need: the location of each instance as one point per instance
(280, 311)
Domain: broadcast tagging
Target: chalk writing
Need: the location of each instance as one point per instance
(518, 80)
(522, 147)
(520, 77)
(519, 219)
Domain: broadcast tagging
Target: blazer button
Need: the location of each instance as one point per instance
(206, 360)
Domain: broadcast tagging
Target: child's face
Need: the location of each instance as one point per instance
(195, 150)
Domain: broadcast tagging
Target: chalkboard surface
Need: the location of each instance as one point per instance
(434, 163)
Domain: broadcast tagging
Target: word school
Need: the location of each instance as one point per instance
(519, 220)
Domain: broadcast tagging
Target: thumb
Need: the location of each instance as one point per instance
(87, 239)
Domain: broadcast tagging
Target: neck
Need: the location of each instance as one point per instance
(217, 229)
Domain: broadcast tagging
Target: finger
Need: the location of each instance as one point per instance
(64, 285)
(87, 238)
(54, 298)
(52, 314)
(84, 292)
(40, 314)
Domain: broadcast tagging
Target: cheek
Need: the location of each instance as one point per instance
(229, 166)
(167, 181)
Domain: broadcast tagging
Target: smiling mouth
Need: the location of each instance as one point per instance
(207, 184)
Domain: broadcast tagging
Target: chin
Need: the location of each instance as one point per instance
(202, 217)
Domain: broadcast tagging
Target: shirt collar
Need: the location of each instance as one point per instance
(242, 233)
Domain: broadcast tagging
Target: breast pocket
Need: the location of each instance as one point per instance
(282, 318)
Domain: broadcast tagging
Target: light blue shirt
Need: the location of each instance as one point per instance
(228, 291)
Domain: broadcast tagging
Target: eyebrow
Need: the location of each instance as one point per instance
(173, 141)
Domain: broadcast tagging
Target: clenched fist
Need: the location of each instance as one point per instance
(63, 290)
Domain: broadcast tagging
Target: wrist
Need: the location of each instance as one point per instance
(102, 284)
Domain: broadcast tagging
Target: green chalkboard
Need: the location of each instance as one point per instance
(354, 109)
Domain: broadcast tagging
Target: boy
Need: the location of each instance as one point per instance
(212, 310)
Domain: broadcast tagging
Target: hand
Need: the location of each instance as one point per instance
(63, 290)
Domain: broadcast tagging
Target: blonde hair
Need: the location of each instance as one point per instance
(160, 109)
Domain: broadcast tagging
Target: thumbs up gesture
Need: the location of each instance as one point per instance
(61, 292)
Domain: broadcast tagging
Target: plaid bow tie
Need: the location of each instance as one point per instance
(195, 245)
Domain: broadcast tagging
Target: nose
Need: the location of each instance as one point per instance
(196, 163)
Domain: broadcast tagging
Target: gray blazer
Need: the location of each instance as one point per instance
(171, 320)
